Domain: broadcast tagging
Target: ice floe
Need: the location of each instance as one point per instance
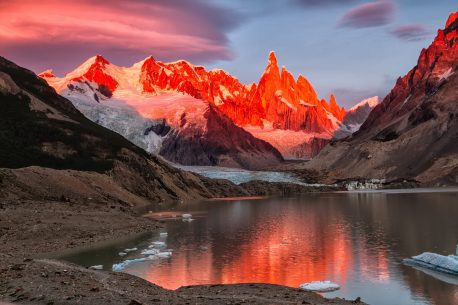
(150, 252)
(122, 265)
(122, 253)
(187, 217)
(442, 263)
(320, 286)
(96, 267)
(130, 250)
(165, 254)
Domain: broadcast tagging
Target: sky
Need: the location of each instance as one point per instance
(352, 48)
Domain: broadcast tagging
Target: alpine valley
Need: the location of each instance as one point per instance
(193, 116)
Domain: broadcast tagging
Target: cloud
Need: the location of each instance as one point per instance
(49, 31)
(411, 32)
(372, 14)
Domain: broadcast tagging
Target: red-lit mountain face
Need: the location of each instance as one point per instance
(280, 110)
(413, 133)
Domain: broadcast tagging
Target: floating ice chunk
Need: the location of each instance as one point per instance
(434, 261)
(320, 286)
(186, 216)
(164, 254)
(150, 252)
(122, 265)
(163, 234)
(158, 244)
(122, 253)
(188, 219)
(96, 267)
(130, 250)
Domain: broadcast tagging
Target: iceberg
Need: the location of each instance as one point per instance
(320, 286)
(150, 252)
(158, 244)
(122, 265)
(130, 250)
(166, 254)
(185, 216)
(437, 262)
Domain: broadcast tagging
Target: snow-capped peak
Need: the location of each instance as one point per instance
(371, 102)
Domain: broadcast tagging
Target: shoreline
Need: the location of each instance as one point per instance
(32, 230)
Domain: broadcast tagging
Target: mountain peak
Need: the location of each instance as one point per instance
(47, 74)
(99, 59)
(272, 58)
(451, 19)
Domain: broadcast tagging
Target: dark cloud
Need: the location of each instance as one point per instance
(61, 32)
(372, 14)
(411, 32)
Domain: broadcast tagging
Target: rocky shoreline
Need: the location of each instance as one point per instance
(30, 229)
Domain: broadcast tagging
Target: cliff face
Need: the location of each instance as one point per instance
(413, 133)
(294, 105)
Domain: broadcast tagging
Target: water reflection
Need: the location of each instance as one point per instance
(357, 240)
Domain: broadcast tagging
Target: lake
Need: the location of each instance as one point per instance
(356, 239)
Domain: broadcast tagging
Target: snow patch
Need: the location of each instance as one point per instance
(371, 102)
(446, 74)
(306, 104)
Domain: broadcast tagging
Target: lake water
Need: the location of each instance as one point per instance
(357, 240)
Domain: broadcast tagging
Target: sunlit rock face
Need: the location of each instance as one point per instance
(435, 66)
(412, 133)
(163, 115)
(279, 102)
(294, 105)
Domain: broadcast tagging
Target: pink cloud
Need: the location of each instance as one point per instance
(411, 32)
(40, 31)
(372, 14)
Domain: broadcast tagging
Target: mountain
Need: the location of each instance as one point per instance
(355, 117)
(278, 105)
(413, 133)
(162, 114)
(295, 120)
(53, 150)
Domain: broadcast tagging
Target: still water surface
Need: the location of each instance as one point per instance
(357, 240)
